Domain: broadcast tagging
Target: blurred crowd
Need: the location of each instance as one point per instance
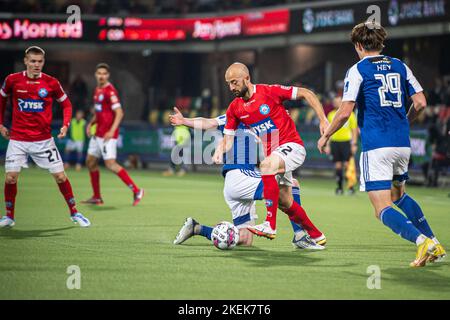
(135, 6)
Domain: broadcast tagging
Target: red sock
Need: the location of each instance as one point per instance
(297, 214)
(123, 175)
(10, 199)
(95, 182)
(66, 191)
(271, 194)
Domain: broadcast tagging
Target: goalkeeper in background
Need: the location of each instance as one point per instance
(343, 147)
(182, 137)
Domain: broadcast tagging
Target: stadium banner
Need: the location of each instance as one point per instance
(393, 13)
(257, 23)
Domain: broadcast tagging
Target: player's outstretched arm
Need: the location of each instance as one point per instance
(418, 106)
(177, 119)
(314, 102)
(341, 117)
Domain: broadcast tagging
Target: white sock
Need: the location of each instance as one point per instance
(435, 240)
(420, 239)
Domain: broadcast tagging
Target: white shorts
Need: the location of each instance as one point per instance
(293, 155)
(241, 189)
(44, 153)
(379, 167)
(74, 146)
(99, 149)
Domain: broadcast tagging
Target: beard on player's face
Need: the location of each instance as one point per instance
(240, 93)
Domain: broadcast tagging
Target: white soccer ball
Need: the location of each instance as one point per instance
(225, 236)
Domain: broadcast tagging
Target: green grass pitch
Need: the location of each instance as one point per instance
(128, 252)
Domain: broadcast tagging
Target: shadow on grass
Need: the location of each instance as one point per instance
(422, 278)
(260, 258)
(25, 234)
(101, 208)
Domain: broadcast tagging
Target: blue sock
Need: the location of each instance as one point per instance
(399, 224)
(296, 195)
(412, 210)
(206, 231)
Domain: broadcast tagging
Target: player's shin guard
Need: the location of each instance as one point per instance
(399, 224)
(10, 199)
(66, 190)
(123, 175)
(271, 194)
(414, 213)
(297, 214)
(95, 182)
(296, 196)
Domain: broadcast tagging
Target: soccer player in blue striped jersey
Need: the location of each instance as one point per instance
(243, 185)
(380, 85)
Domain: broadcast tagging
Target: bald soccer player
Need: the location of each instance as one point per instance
(260, 108)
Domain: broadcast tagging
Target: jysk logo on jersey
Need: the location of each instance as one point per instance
(263, 127)
(98, 107)
(43, 93)
(264, 109)
(29, 105)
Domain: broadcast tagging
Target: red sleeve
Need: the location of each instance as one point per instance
(58, 92)
(67, 112)
(232, 121)
(4, 93)
(61, 97)
(283, 93)
(114, 99)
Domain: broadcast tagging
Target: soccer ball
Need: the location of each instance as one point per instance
(225, 236)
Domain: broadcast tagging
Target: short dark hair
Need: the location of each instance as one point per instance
(35, 50)
(102, 66)
(370, 35)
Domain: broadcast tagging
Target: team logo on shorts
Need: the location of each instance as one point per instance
(269, 203)
(43, 93)
(264, 109)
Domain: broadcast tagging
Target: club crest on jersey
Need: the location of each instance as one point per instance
(269, 203)
(101, 97)
(29, 105)
(43, 93)
(264, 109)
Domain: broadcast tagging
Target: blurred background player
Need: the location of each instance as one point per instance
(243, 185)
(343, 146)
(32, 93)
(260, 107)
(380, 85)
(107, 117)
(182, 138)
(75, 143)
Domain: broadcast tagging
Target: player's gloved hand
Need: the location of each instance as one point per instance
(108, 136)
(322, 143)
(4, 132)
(177, 118)
(62, 132)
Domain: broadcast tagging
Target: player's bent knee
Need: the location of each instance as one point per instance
(60, 177)
(11, 178)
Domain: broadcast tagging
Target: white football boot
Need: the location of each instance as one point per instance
(81, 220)
(7, 222)
(186, 231)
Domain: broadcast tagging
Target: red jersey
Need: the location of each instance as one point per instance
(106, 100)
(266, 115)
(32, 101)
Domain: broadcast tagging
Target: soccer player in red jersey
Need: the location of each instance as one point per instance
(108, 115)
(32, 93)
(260, 108)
